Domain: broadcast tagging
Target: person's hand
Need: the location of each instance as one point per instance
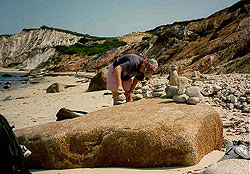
(129, 96)
(120, 90)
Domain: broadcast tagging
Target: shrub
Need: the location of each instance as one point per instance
(95, 48)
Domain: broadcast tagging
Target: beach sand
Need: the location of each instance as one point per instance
(31, 105)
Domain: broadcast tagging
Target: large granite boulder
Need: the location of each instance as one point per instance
(98, 82)
(146, 133)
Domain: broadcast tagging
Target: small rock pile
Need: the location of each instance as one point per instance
(231, 91)
(182, 90)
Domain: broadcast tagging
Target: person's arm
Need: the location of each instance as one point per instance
(135, 81)
(118, 71)
(129, 96)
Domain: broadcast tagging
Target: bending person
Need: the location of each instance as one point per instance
(123, 69)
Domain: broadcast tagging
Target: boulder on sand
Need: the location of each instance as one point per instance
(55, 87)
(147, 133)
(98, 82)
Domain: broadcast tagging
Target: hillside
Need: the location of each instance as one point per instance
(219, 43)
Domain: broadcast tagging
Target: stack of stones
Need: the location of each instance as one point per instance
(138, 92)
(180, 89)
(146, 90)
(158, 90)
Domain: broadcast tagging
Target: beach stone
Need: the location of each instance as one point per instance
(138, 91)
(183, 83)
(171, 91)
(145, 89)
(130, 135)
(193, 100)
(137, 97)
(173, 76)
(246, 108)
(64, 114)
(55, 87)
(156, 94)
(230, 166)
(180, 98)
(193, 91)
(98, 82)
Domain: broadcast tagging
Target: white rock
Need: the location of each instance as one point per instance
(137, 97)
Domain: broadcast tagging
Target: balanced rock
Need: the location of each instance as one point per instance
(128, 135)
(55, 87)
(98, 82)
(173, 76)
(183, 83)
(194, 91)
(230, 166)
(171, 91)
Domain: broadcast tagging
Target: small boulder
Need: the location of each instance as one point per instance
(55, 87)
(98, 82)
(64, 114)
(171, 91)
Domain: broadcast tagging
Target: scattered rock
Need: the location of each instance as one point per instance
(235, 166)
(55, 87)
(8, 98)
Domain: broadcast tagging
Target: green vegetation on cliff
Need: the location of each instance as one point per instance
(83, 48)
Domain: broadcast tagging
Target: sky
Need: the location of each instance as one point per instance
(102, 17)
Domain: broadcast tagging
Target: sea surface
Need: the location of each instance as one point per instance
(17, 80)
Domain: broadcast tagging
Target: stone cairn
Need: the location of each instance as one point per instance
(183, 90)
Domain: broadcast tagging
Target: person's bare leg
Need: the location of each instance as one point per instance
(128, 95)
(114, 94)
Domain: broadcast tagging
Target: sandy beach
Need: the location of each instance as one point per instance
(31, 106)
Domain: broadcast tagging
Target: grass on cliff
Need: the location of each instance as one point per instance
(84, 49)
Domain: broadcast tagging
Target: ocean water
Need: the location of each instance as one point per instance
(17, 80)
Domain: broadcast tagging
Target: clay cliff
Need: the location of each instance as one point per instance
(219, 43)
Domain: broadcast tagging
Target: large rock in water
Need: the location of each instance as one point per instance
(98, 82)
(146, 133)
